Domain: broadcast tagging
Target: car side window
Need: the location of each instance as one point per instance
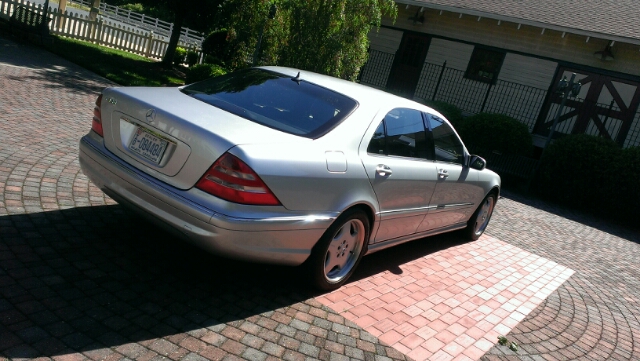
(401, 133)
(448, 147)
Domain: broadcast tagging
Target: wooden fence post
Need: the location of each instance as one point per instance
(147, 51)
(97, 36)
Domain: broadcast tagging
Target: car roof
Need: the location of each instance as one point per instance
(363, 94)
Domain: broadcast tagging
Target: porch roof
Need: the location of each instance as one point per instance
(612, 20)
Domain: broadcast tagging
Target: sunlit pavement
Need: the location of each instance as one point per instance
(450, 303)
(82, 278)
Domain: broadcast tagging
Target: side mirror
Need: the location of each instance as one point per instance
(477, 162)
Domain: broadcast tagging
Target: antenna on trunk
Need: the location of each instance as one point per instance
(297, 78)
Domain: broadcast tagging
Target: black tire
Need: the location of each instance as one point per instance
(481, 217)
(339, 250)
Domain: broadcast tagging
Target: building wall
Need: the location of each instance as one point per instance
(527, 70)
(533, 57)
(456, 54)
(529, 40)
(385, 39)
(519, 93)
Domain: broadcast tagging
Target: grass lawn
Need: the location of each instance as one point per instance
(118, 66)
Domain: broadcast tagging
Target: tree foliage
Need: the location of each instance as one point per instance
(325, 36)
(196, 14)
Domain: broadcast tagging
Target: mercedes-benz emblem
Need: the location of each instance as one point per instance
(151, 115)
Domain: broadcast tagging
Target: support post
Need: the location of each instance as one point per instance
(95, 9)
(565, 95)
(486, 96)
(62, 9)
(435, 91)
(147, 51)
(45, 20)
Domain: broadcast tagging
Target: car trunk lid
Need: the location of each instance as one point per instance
(171, 135)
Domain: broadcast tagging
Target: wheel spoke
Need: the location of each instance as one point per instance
(331, 262)
(352, 237)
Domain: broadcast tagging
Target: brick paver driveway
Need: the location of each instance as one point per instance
(82, 278)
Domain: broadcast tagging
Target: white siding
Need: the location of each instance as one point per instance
(456, 54)
(527, 80)
(527, 70)
(385, 40)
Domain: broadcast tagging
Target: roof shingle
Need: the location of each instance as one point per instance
(609, 19)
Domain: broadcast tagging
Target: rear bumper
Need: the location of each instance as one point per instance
(283, 238)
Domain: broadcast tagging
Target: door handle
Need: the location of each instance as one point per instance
(383, 170)
(442, 173)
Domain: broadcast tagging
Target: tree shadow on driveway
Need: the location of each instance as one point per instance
(83, 279)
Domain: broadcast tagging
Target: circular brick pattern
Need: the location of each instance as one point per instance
(595, 315)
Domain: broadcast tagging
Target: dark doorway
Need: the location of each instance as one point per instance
(605, 107)
(407, 64)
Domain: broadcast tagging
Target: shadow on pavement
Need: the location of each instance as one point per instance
(620, 229)
(53, 71)
(392, 258)
(85, 278)
(81, 279)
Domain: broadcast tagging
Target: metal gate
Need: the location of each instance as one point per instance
(606, 107)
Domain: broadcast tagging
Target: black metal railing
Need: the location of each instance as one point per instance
(633, 137)
(376, 71)
(522, 102)
(439, 82)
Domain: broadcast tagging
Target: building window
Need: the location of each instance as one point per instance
(484, 65)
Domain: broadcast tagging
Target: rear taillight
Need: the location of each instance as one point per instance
(96, 124)
(231, 179)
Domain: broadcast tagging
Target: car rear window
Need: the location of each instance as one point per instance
(275, 100)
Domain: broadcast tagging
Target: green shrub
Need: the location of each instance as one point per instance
(450, 111)
(215, 44)
(622, 191)
(178, 57)
(204, 71)
(592, 174)
(210, 59)
(192, 58)
(157, 11)
(137, 7)
(576, 170)
(484, 133)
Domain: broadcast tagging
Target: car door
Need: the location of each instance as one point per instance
(397, 160)
(457, 192)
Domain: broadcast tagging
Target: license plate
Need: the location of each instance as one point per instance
(147, 145)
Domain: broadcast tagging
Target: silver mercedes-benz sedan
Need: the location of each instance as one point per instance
(285, 166)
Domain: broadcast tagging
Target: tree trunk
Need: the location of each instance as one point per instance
(167, 60)
(95, 9)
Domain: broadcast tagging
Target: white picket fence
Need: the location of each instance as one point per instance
(100, 32)
(159, 27)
